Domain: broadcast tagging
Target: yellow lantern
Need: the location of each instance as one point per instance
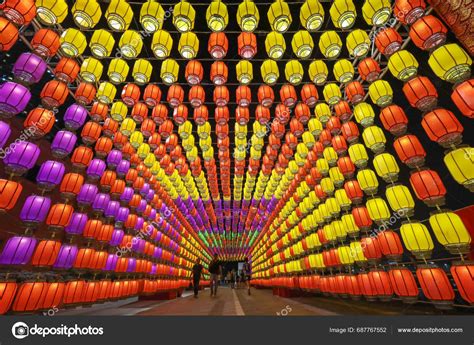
(183, 16)
(400, 200)
(327, 186)
(357, 252)
(332, 93)
(86, 13)
(403, 65)
(244, 72)
(118, 111)
(368, 181)
(152, 16)
(336, 176)
(101, 44)
(330, 155)
(73, 42)
(51, 12)
(169, 71)
(308, 139)
(323, 166)
(343, 14)
(91, 70)
(128, 126)
(378, 210)
(312, 15)
(217, 16)
(381, 93)
(322, 112)
(161, 44)
(279, 16)
(270, 72)
(374, 139)
(208, 155)
(330, 44)
(185, 130)
(342, 199)
(192, 154)
(106, 92)
(343, 71)
(204, 130)
(143, 151)
(118, 71)
(275, 45)
(188, 143)
(386, 167)
(451, 232)
(241, 130)
(136, 139)
(130, 44)
(417, 239)
(376, 12)
(315, 127)
(349, 224)
(302, 44)
(294, 72)
(358, 43)
(345, 255)
(248, 16)
(318, 72)
(358, 154)
(188, 45)
(460, 163)
(119, 15)
(364, 114)
(329, 233)
(451, 63)
(142, 71)
(150, 160)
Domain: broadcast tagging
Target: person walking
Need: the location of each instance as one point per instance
(215, 271)
(247, 273)
(197, 271)
(232, 278)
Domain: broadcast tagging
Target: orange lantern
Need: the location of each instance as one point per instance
(309, 94)
(194, 72)
(262, 114)
(103, 146)
(92, 228)
(90, 132)
(407, 11)
(380, 280)
(152, 95)
(46, 253)
(30, 296)
(107, 180)
(8, 34)
(9, 193)
(404, 284)
(428, 32)
(54, 94)
(443, 127)
(421, 93)
(99, 111)
(242, 115)
(110, 127)
(221, 95)
(139, 112)
(409, 150)
(200, 114)
(7, 292)
(218, 45)
(154, 139)
(302, 112)
(435, 285)
(85, 93)
(343, 110)
(266, 95)
(71, 185)
(247, 45)
(388, 41)
(59, 216)
(45, 42)
(369, 69)
(175, 95)
(243, 95)
(159, 114)
(148, 128)
(394, 120)
(296, 127)
(73, 292)
(288, 95)
(81, 157)
(20, 12)
(353, 191)
(130, 94)
(180, 114)
(463, 97)
(463, 274)
(390, 244)
(355, 92)
(39, 122)
(219, 73)
(67, 70)
(428, 187)
(196, 95)
(222, 130)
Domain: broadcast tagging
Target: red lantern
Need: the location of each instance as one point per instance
(463, 97)
(222, 130)
(361, 217)
(278, 129)
(371, 248)
(20, 12)
(30, 297)
(8, 34)
(353, 191)
(148, 128)
(309, 94)
(218, 45)
(408, 11)
(247, 45)
(428, 187)
(201, 115)
(351, 285)
(39, 122)
(7, 294)
(265, 95)
(350, 131)
(302, 112)
(296, 127)
(428, 32)
(262, 114)
(66, 70)
(390, 245)
(99, 111)
(334, 125)
(139, 112)
(152, 95)
(59, 216)
(394, 120)
(282, 113)
(366, 287)
(346, 167)
(242, 115)
(175, 95)
(343, 110)
(71, 185)
(45, 42)
(130, 94)
(404, 284)
(463, 274)
(73, 292)
(81, 157)
(388, 41)
(435, 285)
(91, 132)
(194, 72)
(110, 127)
(159, 114)
(85, 93)
(288, 95)
(219, 73)
(381, 282)
(443, 127)
(221, 115)
(410, 151)
(54, 94)
(421, 93)
(243, 95)
(369, 69)
(221, 95)
(46, 253)
(355, 92)
(196, 96)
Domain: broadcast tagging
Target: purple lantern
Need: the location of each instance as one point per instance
(141, 206)
(127, 195)
(117, 237)
(96, 169)
(153, 269)
(5, 132)
(152, 215)
(122, 215)
(35, 209)
(139, 224)
(77, 223)
(75, 116)
(112, 209)
(111, 262)
(21, 157)
(87, 194)
(66, 257)
(157, 254)
(50, 175)
(132, 265)
(122, 168)
(113, 159)
(29, 68)
(63, 144)
(145, 189)
(13, 99)
(18, 250)
(100, 203)
(150, 195)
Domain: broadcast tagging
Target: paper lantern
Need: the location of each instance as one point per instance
(66, 70)
(130, 44)
(219, 73)
(394, 120)
(462, 273)
(106, 92)
(21, 159)
(404, 284)
(381, 93)
(9, 193)
(218, 45)
(400, 200)
(30, 297)
(417, 239)
(85, 93)
(332, 94)
(50, 175)
(428, 187)
(403, 65)
(217, 16)
(410, 151)
(376, 12)
(244, 72)
(343, 13)
(462, 97)
(86, 13)
(374, 139)
(369, 69)
(428, 32)
(443, 127)
(330, 44)
(73, 42)
(51, 12)
(169, 71)
(45, 43)
(81, 157)
(19, 12)
(29, 68)
(275, 45)
(39, 122)
(302, 44)
(390, 245)
(141, 72)
(451, 232)
(247, 16)
(354, 91)
(357, 43)
(161, 44)
(194, 72)
(451, 63)
(386, 167)
(101, 43)
(45, 253)
(183, 16)
(152, 16)
(279, 16)
(188, 45)
(7, 291)
(460, 165)
(388, 41)
(367, 181)
(435, 285)
(13, 99)
(119, 15)
(270, 72)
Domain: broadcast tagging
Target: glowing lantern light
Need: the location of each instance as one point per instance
(330, 44)
(463, 96)
(354, 91)
(184, 16)
(451, 63)
(275, 45)
(421, 93)
(435, 285)
(410, 151)
(451, 232)
(51, 12)
(169, 71)
(130, 44)
(374, 139)
(8, 34)
(247, 16)
(91, 70)
(244, 71)
(161, 44)
(343, 13)
(86, 13)
(388, 41)
(218, 45)
(428, 32)
(403, 65)
(400, 200)
(73, 42)
(188, 45)
(332, 93)
(417, 239)
(376, 12)
(152, 16)
(369, 69)
(460, 163)
(443, 127)
(141, 72)
(279, 16)
(318, 72)
(343, 71)
(217, 16)
(381, 93)
(462, 273)
(219, 73)
(119, 15)
(386, 167)
(19, 12)
(404, 284)
(302, 44)
(270, 72)
(358, 43)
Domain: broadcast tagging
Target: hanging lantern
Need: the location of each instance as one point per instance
(462, 97)
(462, 273)
(386, 167)
(119, 15)
(169, 71)
(118, 71)
(428, 32)
(102, 43)
(244, 72)
(39, 122)
(161, 44)
(460, 164)
(367, 181)
(130, 44)
(91, 70)
(443, 127)
(279, 16)
(343, 71)
(219, 73)
(73, 42)
(369, 69)
(183, 16)
(217, 16)
(376, 12)
(9, 193)
(388, 41)
(404, 284)
(188, 45)
(451, 63)
(343, 14)
(374, 139)
(21, 159)
(354, 91)
(400, 200)
(332, 93)
(381, 93)
(66, 70)
(435, 285)
(19, 12)
(358, 155)
(194, 72)
(394, 120)
(29, 68)
(451, 232)
(275, 45)
(294, 72)
(141, 72)
(106, 93)
(417, 239)
(410, 151)
(390, 244)
(86, 13)
(318, 72)
(218, 45)
(330, 44)
(270, 72)
(302, 44)
(357, 43)
(421, 93)
(403, 65)
(152, 16)
(51, 12)
(45, 43)
(428, 187)
(408, 11)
